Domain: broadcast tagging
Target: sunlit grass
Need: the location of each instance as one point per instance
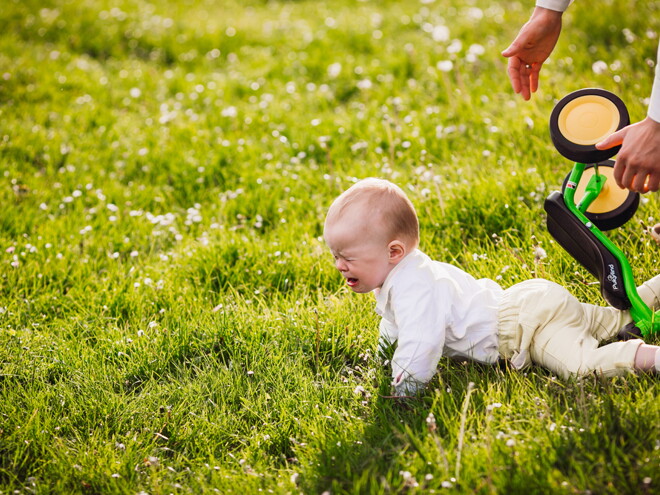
(170, 319)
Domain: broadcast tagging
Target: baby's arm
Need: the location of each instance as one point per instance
(388, 335)
(421, 339)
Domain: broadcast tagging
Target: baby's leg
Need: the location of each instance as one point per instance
(604, 322)
(566, 335)
(649, 291)
(607, 323)
(569, 349)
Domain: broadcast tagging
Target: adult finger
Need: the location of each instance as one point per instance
(653, 183)
(614, 139)
(525, 81)
(619, 169)
(627, 177)
(639, 183)
(534, 77)
(513, 69)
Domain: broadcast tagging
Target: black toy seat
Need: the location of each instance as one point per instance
(585, 247)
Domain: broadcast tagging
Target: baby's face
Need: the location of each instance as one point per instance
(361, 255)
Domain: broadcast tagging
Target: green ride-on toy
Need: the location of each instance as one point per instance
(591, 202)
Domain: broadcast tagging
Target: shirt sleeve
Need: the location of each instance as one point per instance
(421, 315)
(388, 333)
(388, 337)
(654, 105)
(557, 5)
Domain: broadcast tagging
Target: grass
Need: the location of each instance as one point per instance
(170, 319)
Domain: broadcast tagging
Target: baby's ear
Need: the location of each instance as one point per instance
(397, 251)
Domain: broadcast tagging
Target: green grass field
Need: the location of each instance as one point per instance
(170, 319)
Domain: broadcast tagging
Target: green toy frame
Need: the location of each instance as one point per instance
(644, 318)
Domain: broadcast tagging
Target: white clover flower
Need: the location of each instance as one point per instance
(229, 112)
(476, 49)
(334, 70)
(440, 33)
(364, 84)
(455, 46)
(444, 65)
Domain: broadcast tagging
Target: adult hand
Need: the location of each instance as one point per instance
(531, 48)
(637, 165)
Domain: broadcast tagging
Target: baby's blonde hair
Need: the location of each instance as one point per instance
(384, 204)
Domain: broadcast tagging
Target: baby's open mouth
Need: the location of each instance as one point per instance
(351, 281)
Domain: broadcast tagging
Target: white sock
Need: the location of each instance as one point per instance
(657, 361)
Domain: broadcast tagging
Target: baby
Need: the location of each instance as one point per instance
(431, 309)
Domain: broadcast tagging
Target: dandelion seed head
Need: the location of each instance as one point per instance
(539, 254)
(230, 112)
(455, 46)
(334, 70)
(599, 67)
(440, 33)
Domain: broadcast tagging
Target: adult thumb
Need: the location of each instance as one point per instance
(614, 139)
(513, 48)
(509, 51)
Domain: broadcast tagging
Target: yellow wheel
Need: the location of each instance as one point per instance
(584, 118)
(614, 206)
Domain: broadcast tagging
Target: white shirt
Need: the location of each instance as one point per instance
(432, 308)
(654, 105)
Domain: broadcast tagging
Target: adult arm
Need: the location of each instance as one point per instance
(533, 45)
(637, 164)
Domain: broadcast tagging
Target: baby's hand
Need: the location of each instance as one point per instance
(407, 386)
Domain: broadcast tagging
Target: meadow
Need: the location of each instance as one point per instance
(170, 318)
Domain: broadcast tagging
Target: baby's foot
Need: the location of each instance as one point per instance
(630, 331)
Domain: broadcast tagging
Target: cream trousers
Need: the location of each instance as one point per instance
(541, 322)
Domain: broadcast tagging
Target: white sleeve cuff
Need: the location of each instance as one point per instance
(654, 105)
(557, 5)
(408, 386)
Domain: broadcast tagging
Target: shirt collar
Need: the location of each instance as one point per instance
(383, 294)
